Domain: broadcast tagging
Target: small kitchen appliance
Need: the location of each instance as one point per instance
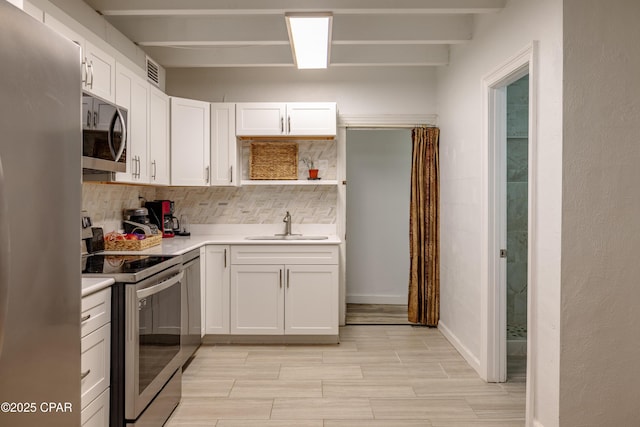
(161, 214)
(137, 219)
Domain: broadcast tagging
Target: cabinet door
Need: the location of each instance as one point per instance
(257, 299)
(132, 94)
(311, 302)
(190, 142)
(311, 118)
(216, 292)
(124, 83)
(158, 137)
(102, 73)
(139, 135)
(260, 118)
(223, 144)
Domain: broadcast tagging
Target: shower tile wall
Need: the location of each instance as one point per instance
(517, 152)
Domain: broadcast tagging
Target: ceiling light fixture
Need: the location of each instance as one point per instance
(310, 38)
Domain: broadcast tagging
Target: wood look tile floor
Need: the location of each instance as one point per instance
(391, 376)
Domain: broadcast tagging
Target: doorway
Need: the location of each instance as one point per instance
(377, 224)
(494, 222)
(516, 181)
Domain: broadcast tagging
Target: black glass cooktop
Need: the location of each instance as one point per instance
(126, 267)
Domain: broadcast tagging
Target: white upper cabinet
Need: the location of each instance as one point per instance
(100, 76)
(260, 118)
(132, 93)
(98, 67)
(224, 149)
(159, 154)
(286, 119)
(190, 142)
(311, 118)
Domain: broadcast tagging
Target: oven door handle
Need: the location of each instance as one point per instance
(143, 293)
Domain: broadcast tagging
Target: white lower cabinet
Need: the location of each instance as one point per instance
(278, 289)
(216, 289)
(95, 361)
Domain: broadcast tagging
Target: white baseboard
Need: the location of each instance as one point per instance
(377, 299)
(464, 351)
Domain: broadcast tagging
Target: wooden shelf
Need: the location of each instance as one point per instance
(288, 182)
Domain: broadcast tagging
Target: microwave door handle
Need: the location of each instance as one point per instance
(4, 257)
(143, 293)
(123, 141)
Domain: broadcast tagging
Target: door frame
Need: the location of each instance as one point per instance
(357, 121)
(493, 221)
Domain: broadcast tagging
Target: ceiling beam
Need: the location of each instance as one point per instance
(225, 7)
(386, 55)
(228, 56)
(271, 29)
(280, 56)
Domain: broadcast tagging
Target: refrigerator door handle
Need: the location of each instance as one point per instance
(4, 257)
(123, 142)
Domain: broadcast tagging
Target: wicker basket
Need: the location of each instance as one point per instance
(133, 245)
(273, 160)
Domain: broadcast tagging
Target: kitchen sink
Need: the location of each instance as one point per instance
(289, 237)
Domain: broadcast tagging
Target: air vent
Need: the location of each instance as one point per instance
(153, 72)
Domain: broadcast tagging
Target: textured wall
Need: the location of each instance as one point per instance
(600, 350)
(497, 38)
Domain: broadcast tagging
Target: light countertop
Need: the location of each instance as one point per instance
(91, 285)
(180, 245)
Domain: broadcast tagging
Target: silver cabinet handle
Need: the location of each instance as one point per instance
(225, 257)
(90, 68)
(287, 278)
(153, 163)
(139, 166)
(85, 318)
(289, 124)
(231, 174)
(95, 119)
(281, 124)
(85, 71)
(206, 174)
(85, 374)
(88, 119)
(280, 278)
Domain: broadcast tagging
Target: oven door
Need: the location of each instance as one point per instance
(152, 341)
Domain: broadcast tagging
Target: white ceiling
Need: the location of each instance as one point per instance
(253, 33)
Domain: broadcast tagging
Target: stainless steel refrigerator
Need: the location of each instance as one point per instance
(40, 203)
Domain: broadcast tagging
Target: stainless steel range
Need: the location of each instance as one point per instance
(145, 337)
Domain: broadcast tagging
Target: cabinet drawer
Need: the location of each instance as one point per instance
(95, 364)
(284, 254)
(96, 311)
(96, 413)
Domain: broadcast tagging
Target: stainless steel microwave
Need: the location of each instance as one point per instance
(104, 136)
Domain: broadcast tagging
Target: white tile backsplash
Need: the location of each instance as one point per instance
(308, 204)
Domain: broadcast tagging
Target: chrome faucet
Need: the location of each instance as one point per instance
(287, 221)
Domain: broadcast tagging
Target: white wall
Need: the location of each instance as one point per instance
(378, 197)
(600, 350)
(391, 90)
(497, 38)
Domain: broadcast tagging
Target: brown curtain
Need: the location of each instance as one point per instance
(424, 229)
